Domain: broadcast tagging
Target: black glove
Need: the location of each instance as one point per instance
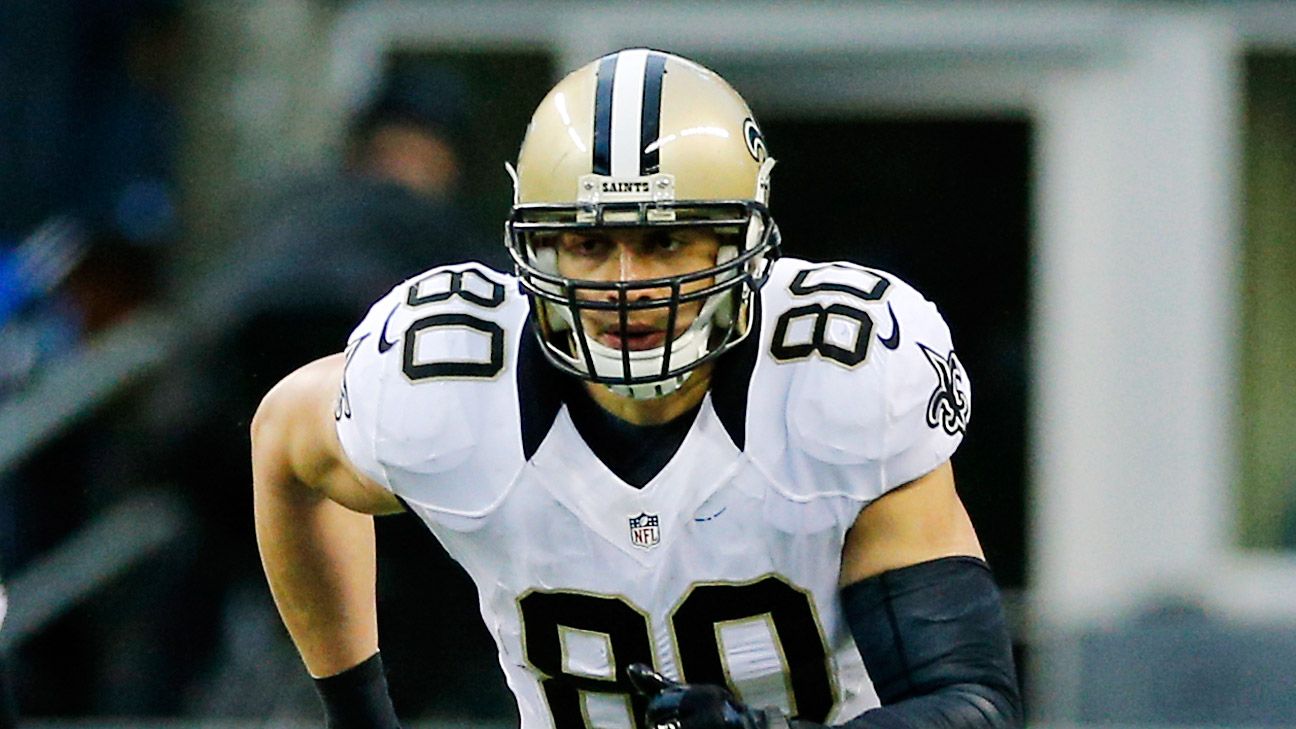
(673, 705)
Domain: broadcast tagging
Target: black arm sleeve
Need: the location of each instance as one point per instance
(357, 698)
(935, 641)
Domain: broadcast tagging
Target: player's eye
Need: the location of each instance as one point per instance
(665, 243)
(584, 246)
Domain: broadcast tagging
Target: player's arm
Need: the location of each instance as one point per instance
(915, 589)
(917, 522)
(315, 533)
(926, 613)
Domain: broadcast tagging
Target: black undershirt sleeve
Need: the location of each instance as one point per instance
(357, 698)
(935, 641)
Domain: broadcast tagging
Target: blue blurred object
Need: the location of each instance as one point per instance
(30, 334)
(12, 288)
(39, 263)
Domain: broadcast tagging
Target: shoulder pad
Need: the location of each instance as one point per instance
(876, 396)
(426, 380)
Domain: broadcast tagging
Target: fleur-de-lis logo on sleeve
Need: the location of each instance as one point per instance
(950, 406)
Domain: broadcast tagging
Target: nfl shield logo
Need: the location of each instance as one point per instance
(644, 531)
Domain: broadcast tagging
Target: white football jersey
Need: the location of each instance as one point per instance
(722, 568)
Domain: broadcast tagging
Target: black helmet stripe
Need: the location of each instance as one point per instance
(603, 115)
(650, 125)
(627, 113)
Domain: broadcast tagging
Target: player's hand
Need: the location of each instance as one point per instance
(673, 705)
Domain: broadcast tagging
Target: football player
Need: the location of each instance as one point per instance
(696, 484)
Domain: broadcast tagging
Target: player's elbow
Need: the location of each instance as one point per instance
(275, 429)
(293, 411)
(1005, 703)
(262, 419)
(268, 424)
(991, 705)
(971, 705)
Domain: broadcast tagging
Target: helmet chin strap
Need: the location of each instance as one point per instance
(607, 361)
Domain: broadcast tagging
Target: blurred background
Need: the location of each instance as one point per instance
(199, 196)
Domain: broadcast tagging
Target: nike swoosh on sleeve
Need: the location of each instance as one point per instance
(383, 344)
(892, 341)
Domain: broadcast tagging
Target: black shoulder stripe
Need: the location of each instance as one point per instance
(603, 115)
(539, 390)
(650, 117)
(404, 504)
(731, 380)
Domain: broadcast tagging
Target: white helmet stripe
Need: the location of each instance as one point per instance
(627, 111)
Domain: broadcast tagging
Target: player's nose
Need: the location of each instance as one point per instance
(634, 265)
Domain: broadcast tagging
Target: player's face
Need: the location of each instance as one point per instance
(637, 254)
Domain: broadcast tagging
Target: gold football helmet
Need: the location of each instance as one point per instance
(642, 139)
